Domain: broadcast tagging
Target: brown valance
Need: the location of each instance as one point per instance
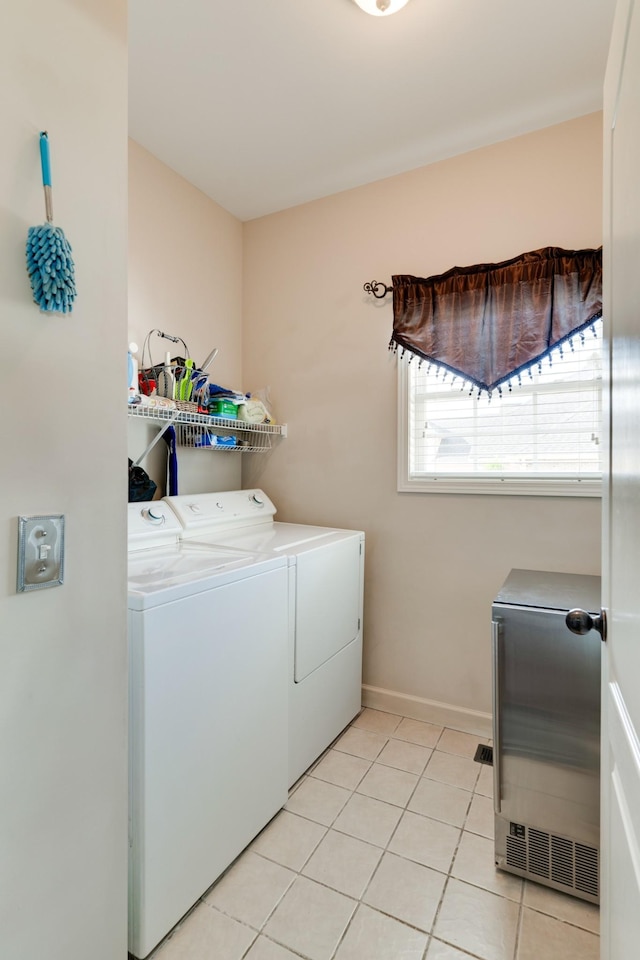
(490, 322)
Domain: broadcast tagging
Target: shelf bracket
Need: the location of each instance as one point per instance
(157, 437)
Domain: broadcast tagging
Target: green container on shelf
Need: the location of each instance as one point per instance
(223, 408)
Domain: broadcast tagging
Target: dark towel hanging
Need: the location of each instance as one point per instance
(172, 462)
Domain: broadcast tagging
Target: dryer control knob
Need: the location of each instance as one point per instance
(154, 515)
(194, 508)
(255, 498)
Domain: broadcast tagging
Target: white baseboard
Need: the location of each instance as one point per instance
(444, 714)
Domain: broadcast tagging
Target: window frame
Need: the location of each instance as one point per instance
(529, 486)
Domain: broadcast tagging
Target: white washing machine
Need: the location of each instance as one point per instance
(208, 713)
(326, 577)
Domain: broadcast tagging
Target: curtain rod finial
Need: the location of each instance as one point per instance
(378, 289)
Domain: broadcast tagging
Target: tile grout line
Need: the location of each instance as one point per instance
(553, 916)
(353, 789)
(359, 902)
(385, 850)
(449, 875)
(383, 763)
(327, 827)
(404, 809)
(516, 947)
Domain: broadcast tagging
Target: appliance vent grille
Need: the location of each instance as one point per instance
(516, 853)
(586, 869)
(562, 853)
(538, 853)
(554, 858)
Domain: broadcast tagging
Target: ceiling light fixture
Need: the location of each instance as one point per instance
(381, 8)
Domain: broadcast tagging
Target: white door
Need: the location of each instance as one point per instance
(620, 888)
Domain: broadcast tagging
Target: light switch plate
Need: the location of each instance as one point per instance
(40, 552)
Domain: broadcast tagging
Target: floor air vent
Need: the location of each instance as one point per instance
(484, 754)
(549, 857)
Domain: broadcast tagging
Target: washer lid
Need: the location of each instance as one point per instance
(170, 572)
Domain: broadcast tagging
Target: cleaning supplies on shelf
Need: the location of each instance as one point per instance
(134, 391)
(206, 439)
(185, 386)
(49, 261)
(220, 407)
(165, 387)
(223, 402)
(209, 359)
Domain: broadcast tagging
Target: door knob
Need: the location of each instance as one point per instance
(581, 622)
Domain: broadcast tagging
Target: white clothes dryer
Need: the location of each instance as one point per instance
(208, 713)
(326, 577)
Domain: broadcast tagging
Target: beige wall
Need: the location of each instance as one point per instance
(434, 562)
(185, 278)
(63, 651)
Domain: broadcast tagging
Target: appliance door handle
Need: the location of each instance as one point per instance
(496, 629)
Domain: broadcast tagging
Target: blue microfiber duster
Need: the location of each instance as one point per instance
(49, 261)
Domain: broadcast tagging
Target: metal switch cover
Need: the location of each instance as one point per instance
(40, 552)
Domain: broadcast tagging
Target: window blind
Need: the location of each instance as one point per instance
(547, 427)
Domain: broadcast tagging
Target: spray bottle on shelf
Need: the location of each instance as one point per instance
(133, 372)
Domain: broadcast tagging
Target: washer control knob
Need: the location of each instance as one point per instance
(154, 515)
(257, 499)
(219, 505)
(194, 507)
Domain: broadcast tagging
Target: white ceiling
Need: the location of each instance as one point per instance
(264, 104)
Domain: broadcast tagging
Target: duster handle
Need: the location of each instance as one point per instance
(45, 160)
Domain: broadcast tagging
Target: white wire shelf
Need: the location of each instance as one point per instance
(202, 432)
(208, 437)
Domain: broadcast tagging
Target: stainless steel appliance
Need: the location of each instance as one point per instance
(546, 717)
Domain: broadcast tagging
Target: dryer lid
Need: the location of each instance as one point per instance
(268, 538)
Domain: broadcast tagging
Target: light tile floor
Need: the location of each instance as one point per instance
(384, 851)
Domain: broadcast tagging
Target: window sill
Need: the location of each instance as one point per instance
(527, 487)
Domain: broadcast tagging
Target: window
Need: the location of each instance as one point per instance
(542, 437)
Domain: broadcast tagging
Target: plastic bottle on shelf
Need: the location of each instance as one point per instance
(133, 373)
